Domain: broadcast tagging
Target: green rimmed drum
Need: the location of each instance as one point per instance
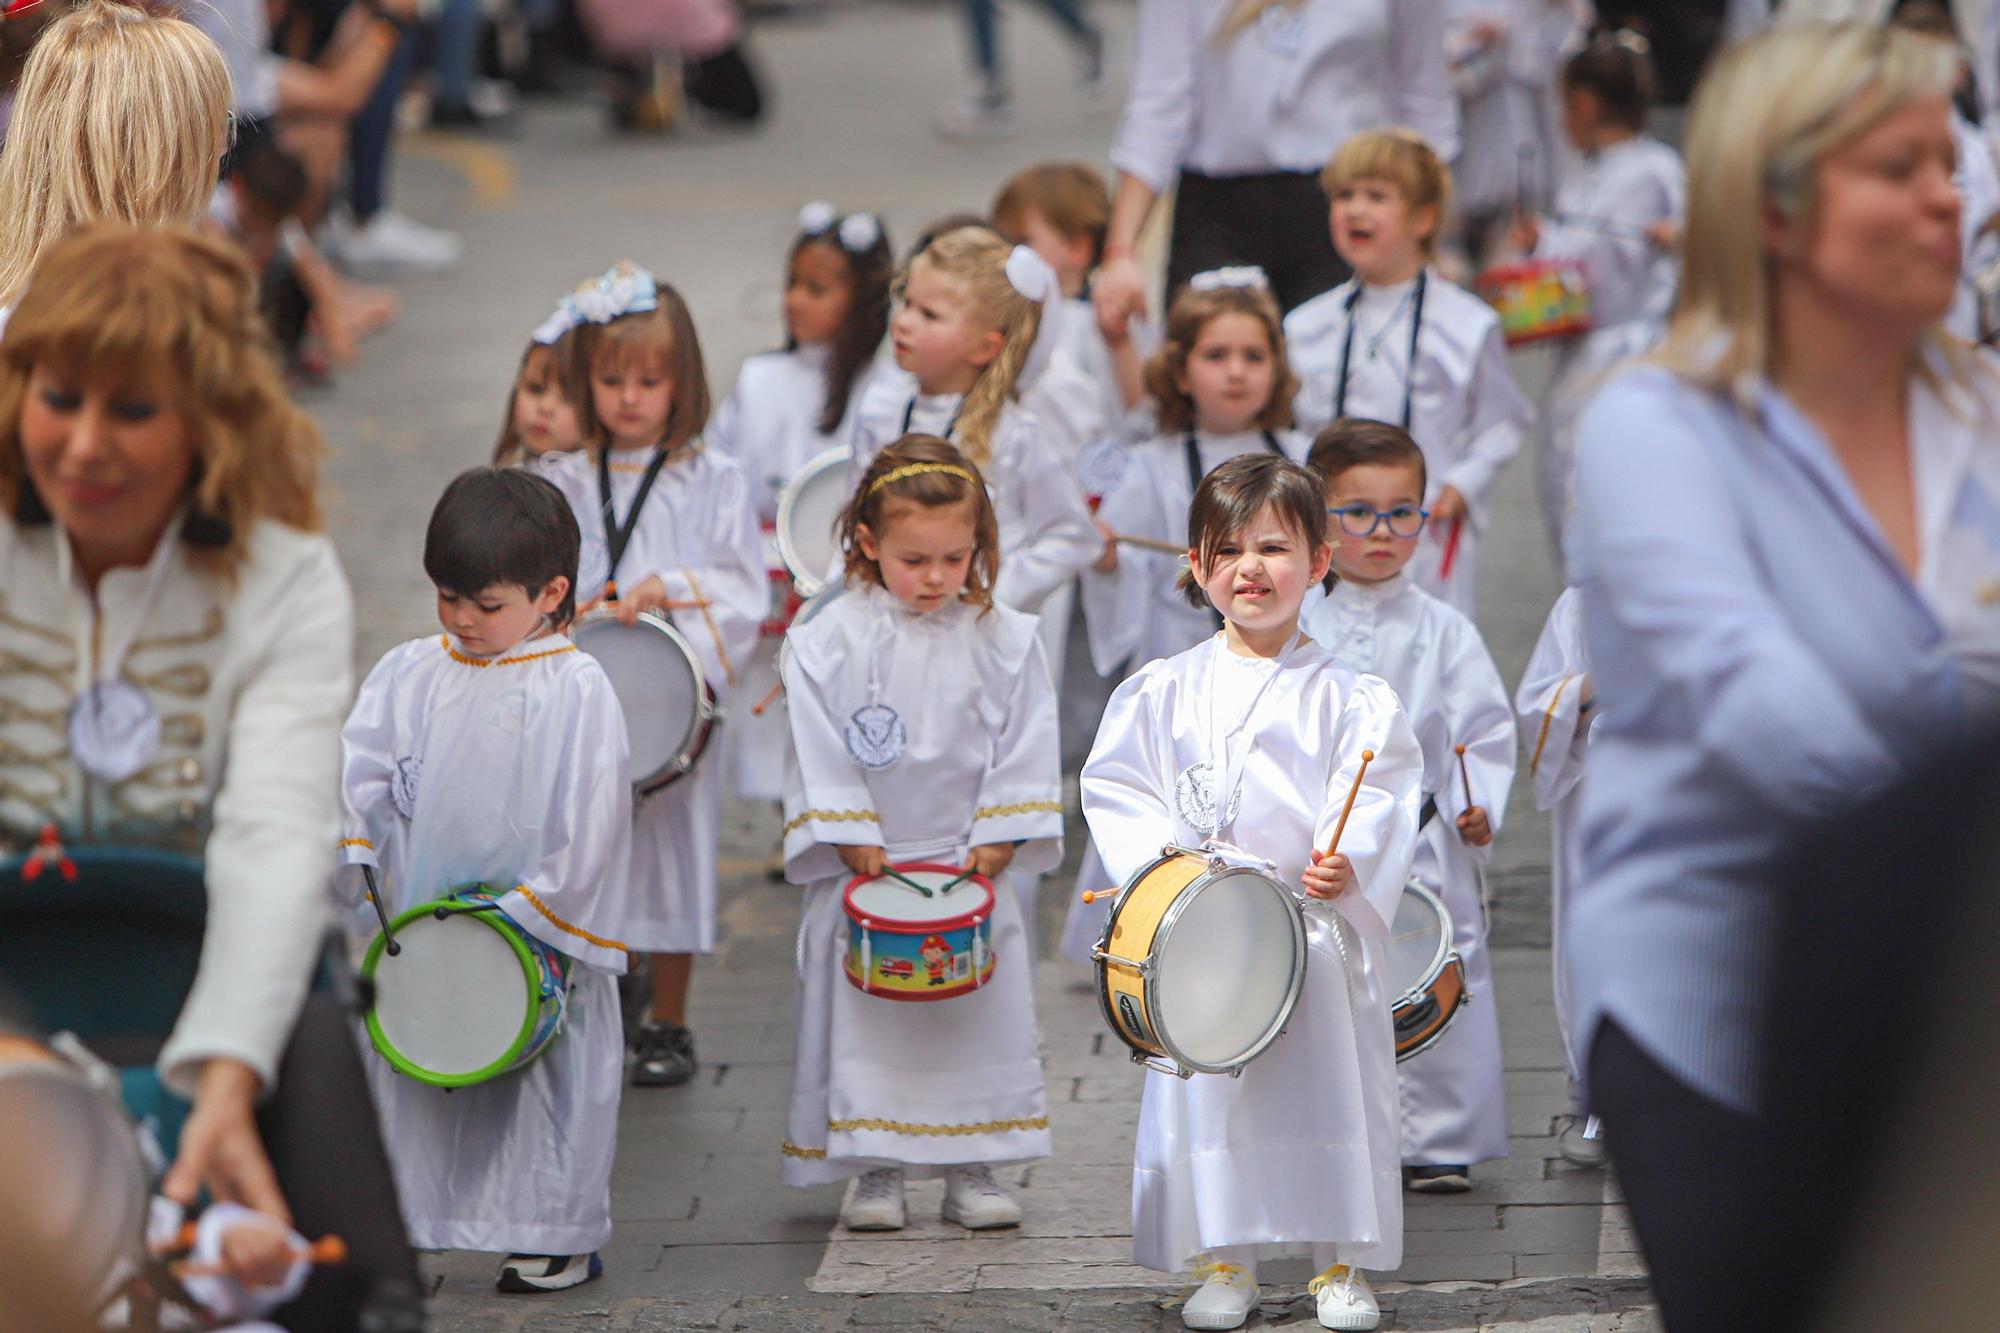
(468, 997)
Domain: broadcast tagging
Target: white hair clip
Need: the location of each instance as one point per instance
(1030, 275)
(817, 217)
(1244, 277)
(625, 289)
(551, 330)
(859, 232)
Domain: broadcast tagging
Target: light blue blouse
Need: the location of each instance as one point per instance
(1762, 659)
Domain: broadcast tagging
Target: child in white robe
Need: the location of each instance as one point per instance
(1376, 620)
(1220, 387)
(494, 754)
(924, 727)
(1557, 704)
(1400, 343)
(788, 407)
(965, 337)
(1618, 215)
(541, 416)
(668, 526)
(1299, 1153)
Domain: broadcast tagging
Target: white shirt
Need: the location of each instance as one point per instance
(508, 771)
(1076, 398)
(250, 680)
(1554, 725)
(770, 421)
(1285, 92)
(1601, 215)
(1046, 535)
(1466, 413)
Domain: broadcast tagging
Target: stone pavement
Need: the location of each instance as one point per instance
(706, 1237)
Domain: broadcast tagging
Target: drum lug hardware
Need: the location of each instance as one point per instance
(1161, 1066)
(1144, 969)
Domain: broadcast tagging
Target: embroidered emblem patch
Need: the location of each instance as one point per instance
(875, 735)
(1194, 798)
(113, 730)
(403, 785)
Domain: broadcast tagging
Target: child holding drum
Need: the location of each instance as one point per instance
(1376, 620)
(1258, 745)
(668, 527)
(1618, 216)
(1220, 386)
(791, 405)
(493, 756)
(1400, 343)
(541, 409)
(924, 727)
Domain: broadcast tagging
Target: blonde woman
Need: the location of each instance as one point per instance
(1784, 568)
(1236, 107)
(175, 651)
(122, 115)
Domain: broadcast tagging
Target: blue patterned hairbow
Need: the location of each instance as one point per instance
(625, 289)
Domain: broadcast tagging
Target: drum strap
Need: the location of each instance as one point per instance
(617, 536)
(1409, 371)
(1196, 473)
(910, 412)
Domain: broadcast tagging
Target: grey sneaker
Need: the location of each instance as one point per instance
(665, 1056)
(984, 113)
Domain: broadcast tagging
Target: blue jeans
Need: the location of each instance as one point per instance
(370, 135)
(983, 16)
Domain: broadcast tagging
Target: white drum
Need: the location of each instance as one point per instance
(1201, 963)
(1424, 973)
(670, 713)
(809, 510)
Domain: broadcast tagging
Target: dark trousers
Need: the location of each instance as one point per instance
(1275, 220)
(1690, 1169)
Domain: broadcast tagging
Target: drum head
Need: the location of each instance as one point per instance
(1224, 971)
(890, 902)
(809, 510)
(658, 683)
(1419, 939)
(456, 1000)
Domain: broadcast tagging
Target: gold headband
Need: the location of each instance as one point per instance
(917, 470)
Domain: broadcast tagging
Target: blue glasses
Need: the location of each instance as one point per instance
(1362, 520)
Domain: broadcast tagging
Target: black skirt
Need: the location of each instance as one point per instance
(1276, 220)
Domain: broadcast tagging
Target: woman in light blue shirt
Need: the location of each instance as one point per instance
(1783, 554)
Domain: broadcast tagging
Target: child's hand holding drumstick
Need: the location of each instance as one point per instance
(1329, 874)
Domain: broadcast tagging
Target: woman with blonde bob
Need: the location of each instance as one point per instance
(122, 115)
(176, 644)
(1781, 569)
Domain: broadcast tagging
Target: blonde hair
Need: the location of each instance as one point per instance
(1406, 160)
(177, 312)
(122, 115)
(1246, 12)
(976, 259)
(1070, 196)
(1186, 318)
(1764, 115)
(664, 334)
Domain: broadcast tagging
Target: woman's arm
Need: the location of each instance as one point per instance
(1418, 83)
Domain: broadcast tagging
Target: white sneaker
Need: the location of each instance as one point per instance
(1578, 1150)
(972, 1200)
(983, 114)
(390, 240)
(1345, 1299)
(524, 1274)
(1225, 1298)
(877, 1201)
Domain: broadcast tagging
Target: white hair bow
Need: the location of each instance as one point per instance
(817, 217)
(1031, 276)
(1243, 277)
(625, 289)
(859, 232)
(551, 330)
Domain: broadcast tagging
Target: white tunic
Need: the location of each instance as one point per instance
(770, 423)
(698, 534)
(1554, 727)
(879, 1081)
(1454, 1094)
(1601, 215)
(1511, 153)
(249, 678)
(1465, 411)
(1076, 398)
(1046, 535)
(508, 772)
(1285, 92)
(1136, 614)
(1301, 1150)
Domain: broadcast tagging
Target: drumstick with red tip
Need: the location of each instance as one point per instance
(1095, 895)
(322, 1253)
(757, 709)
(1367, 758)
(1463, 776)
(1450, 547)
(1149, 543)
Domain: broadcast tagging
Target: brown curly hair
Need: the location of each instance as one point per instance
(874, 502)
(1186, 318)
(178, 309)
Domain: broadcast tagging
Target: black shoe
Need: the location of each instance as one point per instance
(1437, 1179)
(665, 1056)
(526, 1274)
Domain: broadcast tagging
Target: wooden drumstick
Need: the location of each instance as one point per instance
(1367, 758)
(1093, 895)
(322, 1253)
(757, 709)
(1148, 543)
(1463, 776)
